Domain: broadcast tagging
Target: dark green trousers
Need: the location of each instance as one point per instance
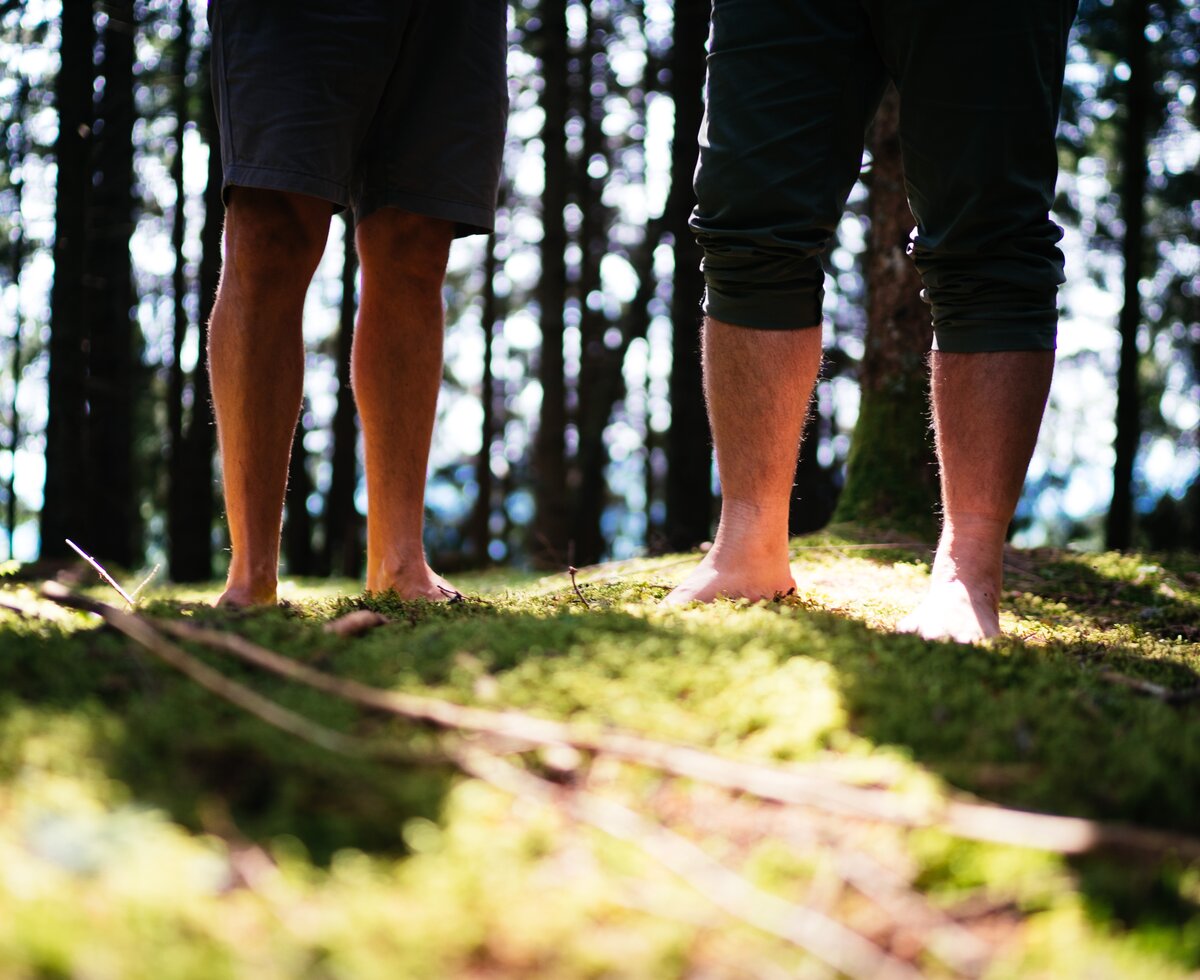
(792, 86)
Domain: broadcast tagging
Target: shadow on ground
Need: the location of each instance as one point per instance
(1027, 724)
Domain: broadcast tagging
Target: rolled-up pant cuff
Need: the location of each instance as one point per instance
(764, 306)
(992, 336)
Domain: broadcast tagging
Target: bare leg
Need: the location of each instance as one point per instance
(273, 242)
(987, 410)
(397, 372)
(758, 384)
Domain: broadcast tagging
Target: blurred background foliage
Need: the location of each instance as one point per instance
(571, 423)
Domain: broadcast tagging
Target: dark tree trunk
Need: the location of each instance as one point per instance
(179, 492)
(343, 524)
(689, 452)
(64, 510)
(549, 544)
(114, 356)
(17, 146)
(1118, 531)
(814, 490)
(192, 552)
(891, 477)
(479, 528)
(598, 362)
(297, 522)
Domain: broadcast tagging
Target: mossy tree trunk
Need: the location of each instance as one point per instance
(891, 478)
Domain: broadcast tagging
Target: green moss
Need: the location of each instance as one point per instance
(129, 797)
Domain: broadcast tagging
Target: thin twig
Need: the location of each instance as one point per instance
(808, 786)
(1167, 694)
(137, 593)
(103, 574)
(822, 936)
(575, 585)
(137, 628)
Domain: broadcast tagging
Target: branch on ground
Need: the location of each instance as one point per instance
(803, 786)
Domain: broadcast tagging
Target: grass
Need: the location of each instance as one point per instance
(148, 829)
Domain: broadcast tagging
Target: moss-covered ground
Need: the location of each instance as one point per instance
(148, 829)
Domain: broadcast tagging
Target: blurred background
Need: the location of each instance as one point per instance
(571, 420)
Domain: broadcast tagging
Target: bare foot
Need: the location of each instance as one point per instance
(413, 582)
(952, 611)
(722, 576)
(244, 597)
(963, 602)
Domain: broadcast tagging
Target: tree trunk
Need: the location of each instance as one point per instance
(814, 491)
(891, 477)
(689, 448)
(343, 524)
(179, 491)
(597, 361)
(114, 357)
(64, 510)
(1118, 531)
(192, 554)
(18, 141)
(479, 527)
(297, 522)
(549, 544)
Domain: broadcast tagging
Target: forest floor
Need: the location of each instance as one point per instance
(150, 828)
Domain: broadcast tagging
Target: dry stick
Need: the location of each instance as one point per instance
(100, 569)
(804, 787)
(794, 786)
(948, 940)
(138, 629)
(1167, 694)
(13, 606)
(825, 938)
(973, 821)
(572, 569)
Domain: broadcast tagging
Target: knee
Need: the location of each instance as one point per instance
(400, 250)
(273, 239)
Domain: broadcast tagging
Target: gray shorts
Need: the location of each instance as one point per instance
(365, 103)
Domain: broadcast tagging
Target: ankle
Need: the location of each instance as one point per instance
(395, 569)
(748, 527)
(255, 583)
(972, 552)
